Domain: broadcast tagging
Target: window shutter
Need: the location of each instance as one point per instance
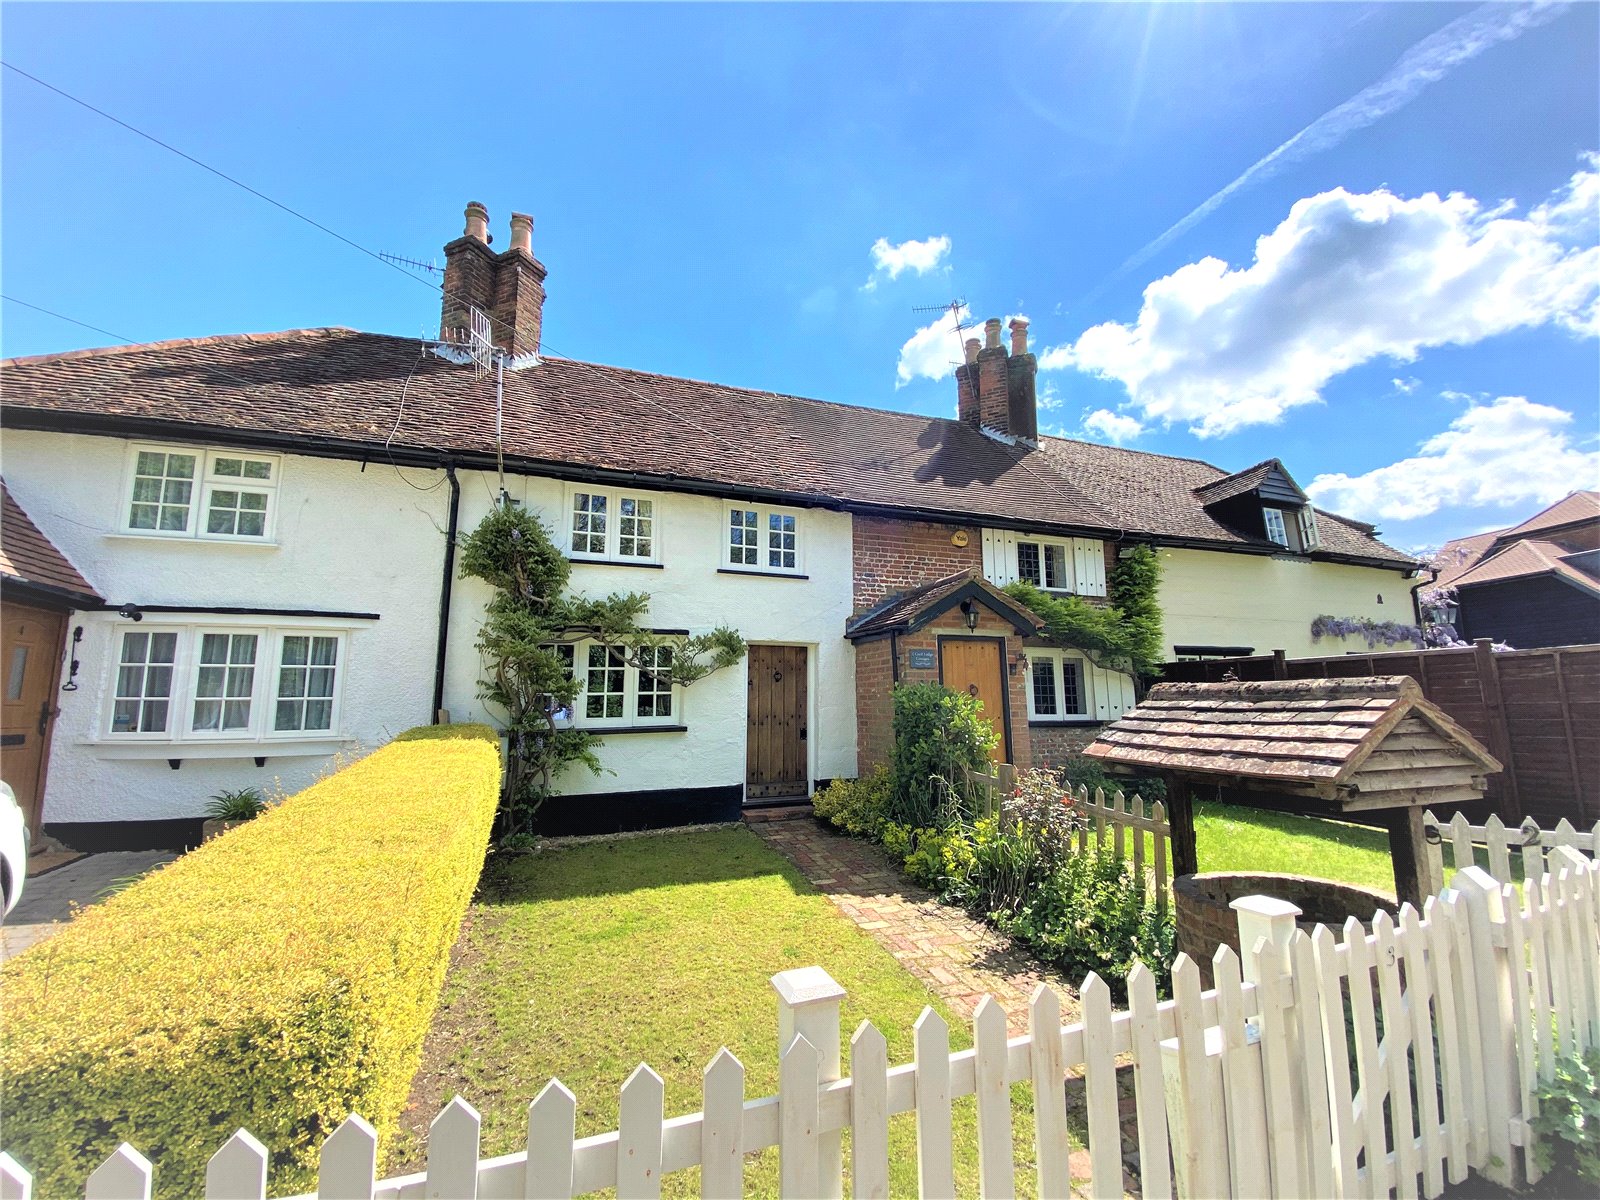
(993, 571)
(1008, 558)
(1308, 527)
(1091, 564)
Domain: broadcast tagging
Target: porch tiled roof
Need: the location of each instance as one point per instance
(28, 557)
(907, 609)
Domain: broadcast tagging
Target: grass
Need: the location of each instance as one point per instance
(1250, 840)
(581, 963)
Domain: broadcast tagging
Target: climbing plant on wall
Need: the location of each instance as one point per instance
(529, 680)
(1122, 636)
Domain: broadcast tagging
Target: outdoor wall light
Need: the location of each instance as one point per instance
(970, 611)
(71, 685)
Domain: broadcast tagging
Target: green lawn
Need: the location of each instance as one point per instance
(1250, 839)
(583, 962)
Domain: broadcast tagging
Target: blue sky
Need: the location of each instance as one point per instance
(1416, 333)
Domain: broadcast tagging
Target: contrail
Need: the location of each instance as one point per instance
(1429, 61)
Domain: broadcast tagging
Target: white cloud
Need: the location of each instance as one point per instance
(1424, 63)
(1346, 278)
(1048, 396)
(933, 351)
(914, 256)
(1407, 385)
(1509, 451)
(1112, 427)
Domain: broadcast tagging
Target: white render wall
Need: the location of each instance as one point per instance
(690, 593)
(356, 540)
(346, 540)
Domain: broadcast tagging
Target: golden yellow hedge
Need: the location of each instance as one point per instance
(278, 978)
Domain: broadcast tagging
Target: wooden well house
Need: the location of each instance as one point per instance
(1372, 747)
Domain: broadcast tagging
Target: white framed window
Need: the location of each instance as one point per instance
(225, 495)
(618, 689)
(1058, 686)
(612, 525)
(229, 683)
(764, 540)
(1045, 563)
(1306, 519)
(1277, 531)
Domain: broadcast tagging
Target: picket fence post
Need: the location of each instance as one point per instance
(808, 1007)
(1491, 971)
(1266, 929)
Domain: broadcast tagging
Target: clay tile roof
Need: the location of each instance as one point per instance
(1460, 555)
(347, 388)
(28, 557)
(914, 608)
(1579, 506)
(1304, 734)
(1525, 559)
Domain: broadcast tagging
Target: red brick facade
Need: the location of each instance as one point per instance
(875, 678)
(894, 556)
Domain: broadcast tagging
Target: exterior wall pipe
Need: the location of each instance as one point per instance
(446, 584)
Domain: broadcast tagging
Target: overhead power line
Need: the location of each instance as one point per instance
(63, 317)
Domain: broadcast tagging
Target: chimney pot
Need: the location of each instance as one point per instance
(972, 349)
(1019, 335)
(477, 222)
(991, 333)
(522, 232)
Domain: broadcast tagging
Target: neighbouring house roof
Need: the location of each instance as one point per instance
(1461, 554)
(907, 611)
(1303, 735)
(1579, 506)
(1525, 559)
(30, 559)
(342, 391)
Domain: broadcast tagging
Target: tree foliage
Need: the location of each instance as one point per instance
(526, 678)
(1122, 636)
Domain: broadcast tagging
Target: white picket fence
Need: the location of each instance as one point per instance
(1246, 1090)
(1499, 840)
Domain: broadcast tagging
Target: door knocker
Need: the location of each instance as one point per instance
(777, 677)
(972, 689)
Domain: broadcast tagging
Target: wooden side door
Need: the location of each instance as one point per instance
(30, 652)
(976, 666)
(775, 737)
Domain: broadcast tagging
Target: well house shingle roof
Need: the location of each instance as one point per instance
(345, 388)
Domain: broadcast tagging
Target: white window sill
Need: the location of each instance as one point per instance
(185, 539)
(243, 748)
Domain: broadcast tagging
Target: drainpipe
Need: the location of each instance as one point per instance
(1416, 600)
(445, 584)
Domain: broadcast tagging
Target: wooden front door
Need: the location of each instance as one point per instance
(30, 652)
(977, 666)
(775, 738)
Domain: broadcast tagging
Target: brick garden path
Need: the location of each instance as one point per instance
(956, 956)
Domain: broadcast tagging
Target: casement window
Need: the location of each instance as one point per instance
(227, 684)
(618, 690)
(224, 495)
(1074, 566)
(1045, 564)
(1057, 686)
(612, 525)
(1277, 530)
(763, 539)
(1293, 529)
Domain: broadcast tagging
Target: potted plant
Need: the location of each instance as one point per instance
(230, 807)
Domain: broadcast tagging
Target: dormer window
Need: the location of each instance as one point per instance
(1277, 528)
(1263, 502)
(1292, 528)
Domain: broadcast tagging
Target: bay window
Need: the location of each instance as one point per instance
(229, 684)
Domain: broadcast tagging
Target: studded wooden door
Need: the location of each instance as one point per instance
(975, 666)
(30, 654)
(775, 737)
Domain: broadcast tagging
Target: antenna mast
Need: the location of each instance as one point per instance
(955, 308)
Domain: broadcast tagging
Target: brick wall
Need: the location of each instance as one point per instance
(893, 556)
(874, 681)
(1053, 745)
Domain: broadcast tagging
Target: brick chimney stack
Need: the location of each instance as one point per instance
(507, 287)
(995, 389)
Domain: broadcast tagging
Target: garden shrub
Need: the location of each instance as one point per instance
(859, 807)
(1568, 1123)
(937, 732)
(1081, 771)
(278, 978)
(466, 729)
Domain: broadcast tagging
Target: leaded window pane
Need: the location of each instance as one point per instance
(1028, 563)
(1044, 687)
(1056, 574)
(1072, 686)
